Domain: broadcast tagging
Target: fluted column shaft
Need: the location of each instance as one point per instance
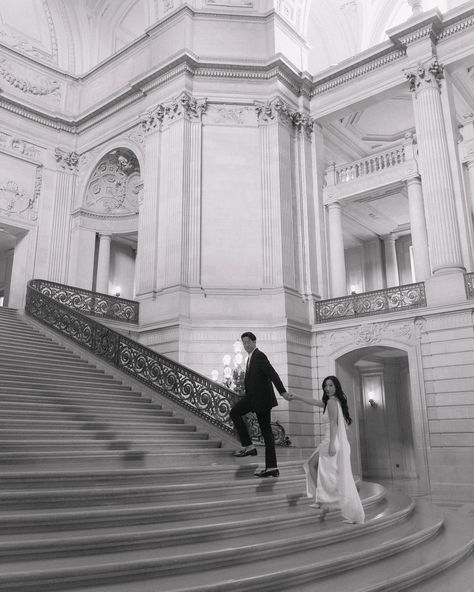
(470, 174)
(337, 261)
(103, 263)
(391, 264)
(438, 189)
(419, 237)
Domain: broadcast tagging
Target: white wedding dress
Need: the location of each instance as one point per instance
(335, 483)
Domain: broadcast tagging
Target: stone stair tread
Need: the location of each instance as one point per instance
(397, 507)
(221, 561)
(304, 572)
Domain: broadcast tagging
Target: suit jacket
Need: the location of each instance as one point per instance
(258, 382)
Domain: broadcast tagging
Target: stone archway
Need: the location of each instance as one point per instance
(377, 380)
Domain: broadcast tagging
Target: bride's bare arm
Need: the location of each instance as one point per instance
(313, 402)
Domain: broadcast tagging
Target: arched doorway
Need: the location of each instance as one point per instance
(378, 384)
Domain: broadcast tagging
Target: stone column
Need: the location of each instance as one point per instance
(276, 127)
(103, 263)
(66, 177)
(438, 191)
(337, 263)
(391, 264)
(419, 237)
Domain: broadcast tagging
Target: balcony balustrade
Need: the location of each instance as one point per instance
(371, 303)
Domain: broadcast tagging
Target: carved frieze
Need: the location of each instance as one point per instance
(425, 76)
(68, 161)
(17, 145)
(22, 81)
(228, 114)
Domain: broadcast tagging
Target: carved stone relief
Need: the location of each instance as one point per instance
(369, 334)
(115, 186)
(22, 80)
(15, 144)
(16, 201)
(277, 110)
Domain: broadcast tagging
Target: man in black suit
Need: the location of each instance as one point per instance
(260, 398)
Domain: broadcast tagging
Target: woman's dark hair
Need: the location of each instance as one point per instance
(340, 395)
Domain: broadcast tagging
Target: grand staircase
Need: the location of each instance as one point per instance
(103, 489)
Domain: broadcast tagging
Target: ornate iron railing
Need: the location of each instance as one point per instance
(88, 302)
(189, 389)
(371, 303)
(469, 285)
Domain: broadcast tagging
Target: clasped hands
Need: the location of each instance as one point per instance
(288, 396)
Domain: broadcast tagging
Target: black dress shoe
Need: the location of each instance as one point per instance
(245, 452)
(267, 473)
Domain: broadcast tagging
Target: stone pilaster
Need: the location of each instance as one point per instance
(147, 248)
(181, 196)
(305, 204)
(66, 178)
(438, 191)
(275, 121)
(337, 263)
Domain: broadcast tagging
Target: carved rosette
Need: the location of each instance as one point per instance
(184, 106)
(151, 120)
(68, 161)
(274, 111)
(426, 76)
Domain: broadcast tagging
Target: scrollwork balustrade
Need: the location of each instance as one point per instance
(90, 303)
(189, 389)
(371, 303)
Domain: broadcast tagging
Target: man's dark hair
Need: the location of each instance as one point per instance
(249, 335)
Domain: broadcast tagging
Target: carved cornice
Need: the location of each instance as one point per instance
(425, 76)
(461, 24)
(68, 161)
(340, 78)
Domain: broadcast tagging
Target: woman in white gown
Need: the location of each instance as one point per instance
(329, 479)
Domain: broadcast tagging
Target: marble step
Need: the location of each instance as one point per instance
(67, 361)
(242, 469)
(113, 459)
(13, 435)
(62, 404)
(87, 413)
(53, 379)
(87, 370)
(87, 496)
(122, 399)
(212, 562)
(391, 509)
(100, 517)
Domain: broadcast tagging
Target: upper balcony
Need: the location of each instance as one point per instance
(385, 168)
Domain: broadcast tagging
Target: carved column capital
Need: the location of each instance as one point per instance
(68, 161)
(425, 76)
(303, 123)
(151, 120)
(184, 106)
(274, 111)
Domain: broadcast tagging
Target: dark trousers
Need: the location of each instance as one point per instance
(264, 421)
